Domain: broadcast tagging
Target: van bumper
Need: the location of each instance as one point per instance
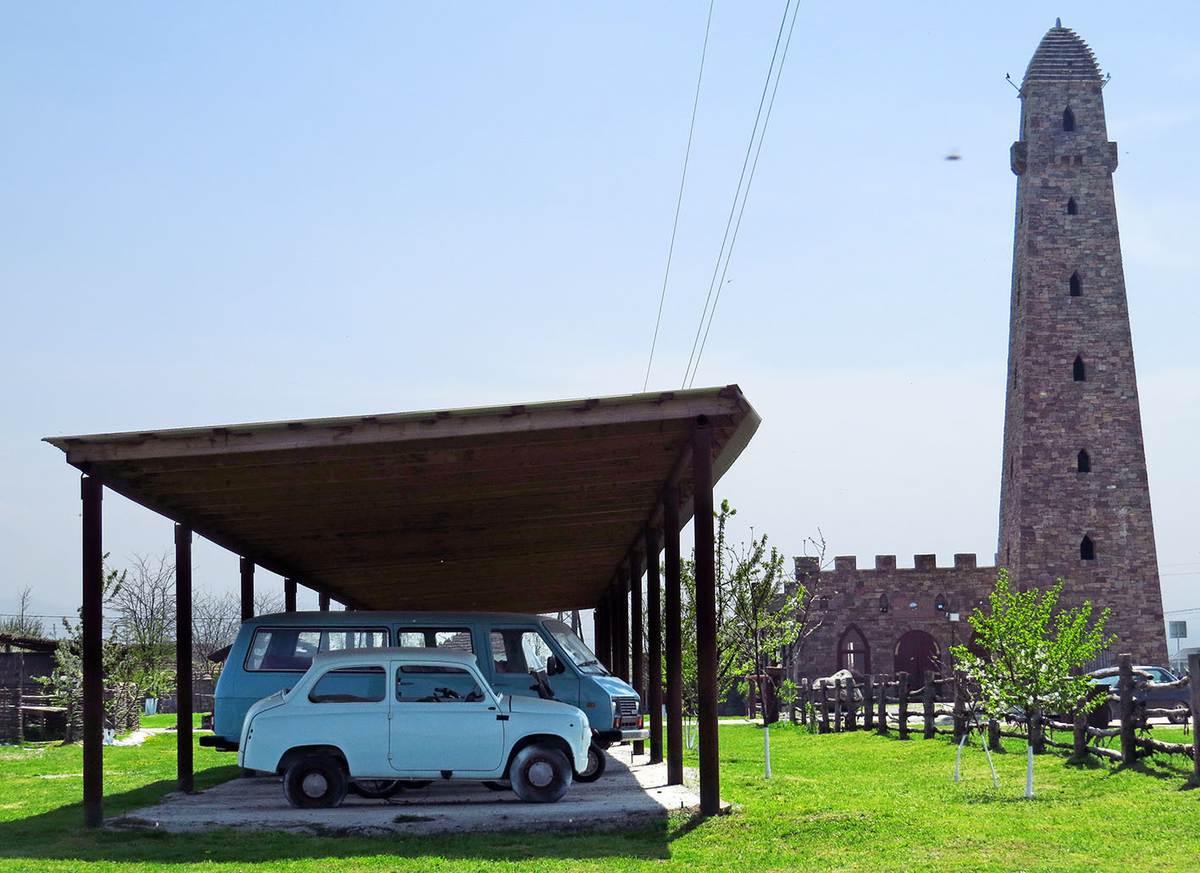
(623, 735)
(219, 743)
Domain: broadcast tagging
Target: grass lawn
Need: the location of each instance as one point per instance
(840, 802)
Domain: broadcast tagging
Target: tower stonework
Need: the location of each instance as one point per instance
(1075, 501)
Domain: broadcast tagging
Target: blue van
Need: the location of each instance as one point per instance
(516, 653)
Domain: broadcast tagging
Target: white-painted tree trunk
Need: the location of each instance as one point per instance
(1029, 771)
(767, 746)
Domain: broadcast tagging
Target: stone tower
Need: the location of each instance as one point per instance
(1074, 500)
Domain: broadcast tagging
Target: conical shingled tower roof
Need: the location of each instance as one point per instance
(1061, 56)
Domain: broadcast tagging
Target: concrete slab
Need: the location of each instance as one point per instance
(630, 793)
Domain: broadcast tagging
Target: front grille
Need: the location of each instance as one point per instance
(627, 709)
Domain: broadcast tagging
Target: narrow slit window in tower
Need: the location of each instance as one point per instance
(1078, 371)
(1072, 207)
(884, 606)
(1085, 462)
(1068, 119)
(1076, 285)
(1087, 550)
(940, 603)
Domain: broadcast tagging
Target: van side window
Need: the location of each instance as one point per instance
(350, 685)
(293, 648)
(515, 650)
(456, 639)
(434, 683)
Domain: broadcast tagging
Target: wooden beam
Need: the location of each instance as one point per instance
(654, 696)
(246, 566)
(706, 620)
(183, 656)
(92, 618)
(674, 653)
(636, 637)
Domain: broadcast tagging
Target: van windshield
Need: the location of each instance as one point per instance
(581, 656)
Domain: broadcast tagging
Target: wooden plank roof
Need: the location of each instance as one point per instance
(525, 508)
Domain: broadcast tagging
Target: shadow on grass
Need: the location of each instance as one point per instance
(59, 835)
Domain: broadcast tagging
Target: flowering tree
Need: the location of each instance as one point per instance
(1033, 655)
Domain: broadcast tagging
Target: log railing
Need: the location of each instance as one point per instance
(884, 705)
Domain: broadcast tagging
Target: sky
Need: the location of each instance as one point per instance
(251, 212)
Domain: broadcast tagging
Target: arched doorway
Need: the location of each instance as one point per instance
(915, 653)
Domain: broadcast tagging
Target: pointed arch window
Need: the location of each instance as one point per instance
(853, 651)
(1078, 370)
(1075, 285)
(1072, 207)
(1068, 119)
(884, 606)
(1085, 461)
(1087, 550)
(940, 603)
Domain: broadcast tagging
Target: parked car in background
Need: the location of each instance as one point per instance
(377, 717)
(1155, 698)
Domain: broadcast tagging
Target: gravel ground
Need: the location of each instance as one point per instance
(631, 792)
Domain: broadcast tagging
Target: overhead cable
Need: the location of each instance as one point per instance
(742, 192)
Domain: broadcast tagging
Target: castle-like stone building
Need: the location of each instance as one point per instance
(1074, 497)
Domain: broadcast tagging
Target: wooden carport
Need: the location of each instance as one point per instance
(533, 507)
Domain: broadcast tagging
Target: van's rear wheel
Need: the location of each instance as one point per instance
(540, 774)
(596, 763)
(315, 781)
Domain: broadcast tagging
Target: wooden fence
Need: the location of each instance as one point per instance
(884, 705)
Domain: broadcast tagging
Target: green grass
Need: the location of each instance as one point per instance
(840, 802)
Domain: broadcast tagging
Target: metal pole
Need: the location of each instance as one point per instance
(706, 617)
(289, 595)
(636, 636)
(92, 617)
(247, 567)
(183, 656)
(674, 641)
(654, 697)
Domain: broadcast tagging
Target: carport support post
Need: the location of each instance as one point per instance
(706, 617)
(289, 595)
(247, 567)
(603, 631)
(183, 655)
(636, 636)
(654, 674)
(622, 590)
(92, 617)
(674, 638)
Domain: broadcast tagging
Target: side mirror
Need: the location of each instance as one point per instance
(554, 666)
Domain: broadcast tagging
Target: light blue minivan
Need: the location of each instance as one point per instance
(528, 655)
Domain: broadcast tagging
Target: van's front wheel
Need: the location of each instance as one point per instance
(540, 774)
(315, 781)
(597, 761)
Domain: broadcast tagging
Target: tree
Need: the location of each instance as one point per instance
(216, 619)
(1033, 655)
(144, 603)
(23, 624)
(65, 682)
(762, 616)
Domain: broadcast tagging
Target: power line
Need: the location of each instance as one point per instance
(679, 200)
(749, 181)
(738, 193)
